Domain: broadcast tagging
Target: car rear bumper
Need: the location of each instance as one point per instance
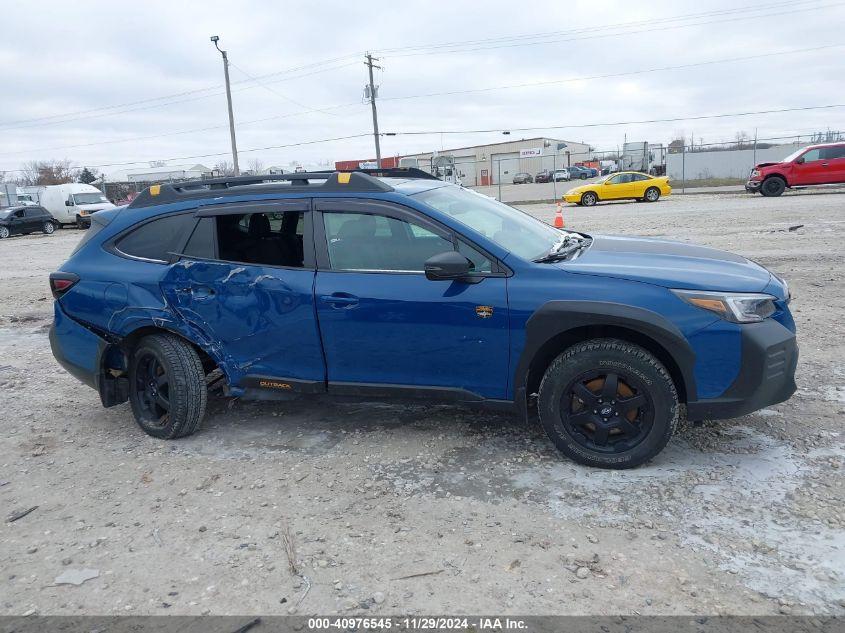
(767, 375)
(77, 349)
(753, 186)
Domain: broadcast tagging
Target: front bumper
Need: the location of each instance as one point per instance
(766, 376)
(753, 186)
(572, 197)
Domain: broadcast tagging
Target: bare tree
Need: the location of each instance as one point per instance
(742, 139)
(225, 168)
(44, 172)
(256, 166)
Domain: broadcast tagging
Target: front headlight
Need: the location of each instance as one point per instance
(754, 173)
(737, 307)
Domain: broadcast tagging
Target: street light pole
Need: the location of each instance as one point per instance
(215, 39)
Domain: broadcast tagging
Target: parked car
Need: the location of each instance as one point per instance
(812, 165)
(560, 174)
(620, 186)
(522, 178)
(543, 176)
(592, 172)
(578, 173)
(73, 202)
(401, 285)
(26, 219)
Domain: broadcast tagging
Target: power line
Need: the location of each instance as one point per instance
(593, 29)
(309, 109)
(321, 66)
(616, 123)
(611, 75)
(593, 36)
(216, 154)
(326, 109)
(486, 131)
(97, 114)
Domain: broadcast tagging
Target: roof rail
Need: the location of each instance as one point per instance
(397, 172)
(357, 180)
(328, 181)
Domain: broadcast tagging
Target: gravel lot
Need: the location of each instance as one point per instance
(419, 509)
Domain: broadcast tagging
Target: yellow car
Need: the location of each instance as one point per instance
(620, 186)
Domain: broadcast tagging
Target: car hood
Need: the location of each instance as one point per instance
(669, 264)
(758, 165)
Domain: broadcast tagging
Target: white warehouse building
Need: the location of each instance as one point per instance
(487, 164)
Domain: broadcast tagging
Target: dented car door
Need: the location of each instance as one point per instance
(245, 282)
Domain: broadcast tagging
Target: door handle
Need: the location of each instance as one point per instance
(824, 164)
(340, 300)
(201, 293)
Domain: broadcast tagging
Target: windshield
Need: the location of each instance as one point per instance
(794, 155)
(510, 228)
(89, 198)
(5, 213)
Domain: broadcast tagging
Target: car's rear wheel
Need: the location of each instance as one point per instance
(583, 176)
(608, 403)
(48, 227)
(773, 187)
(4, 232)
(652, 194)
(589, 199)
(167, 389)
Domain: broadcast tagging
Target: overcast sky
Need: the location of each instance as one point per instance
(114, 82)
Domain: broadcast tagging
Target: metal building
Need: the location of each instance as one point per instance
(488, 164)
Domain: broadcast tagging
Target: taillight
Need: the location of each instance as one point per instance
(60, 283)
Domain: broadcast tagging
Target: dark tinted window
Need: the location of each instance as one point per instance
(201, 242)
(158, 238)
(32, 212)
(270, 239)
(829, 153)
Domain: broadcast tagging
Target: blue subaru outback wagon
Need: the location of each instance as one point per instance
(395, 284)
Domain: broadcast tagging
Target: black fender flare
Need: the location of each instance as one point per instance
(556, 321)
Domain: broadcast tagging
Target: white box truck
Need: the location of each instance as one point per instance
(73, 203)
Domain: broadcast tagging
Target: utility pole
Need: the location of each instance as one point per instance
(215, 39)
(370, 65)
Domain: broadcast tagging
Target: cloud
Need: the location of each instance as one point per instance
(69, 58)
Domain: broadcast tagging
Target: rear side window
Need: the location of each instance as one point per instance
(155, 240)
(201, 242)
(830, 153)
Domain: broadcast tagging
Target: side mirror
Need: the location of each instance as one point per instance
(446, 266)
(68, 203)
(799, 160)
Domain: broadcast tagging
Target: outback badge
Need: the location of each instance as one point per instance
(484, 312)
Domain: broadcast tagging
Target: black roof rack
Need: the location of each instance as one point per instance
(357, 180)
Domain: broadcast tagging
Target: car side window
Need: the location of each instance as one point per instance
(614, 180)
(831, 153)
(268, 239)
(369, 242)
(157, 239)
(639, 177)
(18, 214)
(811, 156)
(201, 242)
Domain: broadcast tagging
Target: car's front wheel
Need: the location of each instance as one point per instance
(48, 227)
(773, 186)
(167, 389)
(589, 199)
(608, 403)
(4, 232)
(652, 194)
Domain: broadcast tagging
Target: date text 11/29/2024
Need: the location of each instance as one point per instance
(418, 623)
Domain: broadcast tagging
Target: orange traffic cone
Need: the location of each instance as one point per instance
(559, 224)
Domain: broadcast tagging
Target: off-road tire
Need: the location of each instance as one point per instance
(625, 360)
(773, 186)
(652, 194)
(187, 393)
(48, 228)
(589, 199)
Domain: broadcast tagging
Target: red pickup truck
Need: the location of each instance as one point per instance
(813, 165)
